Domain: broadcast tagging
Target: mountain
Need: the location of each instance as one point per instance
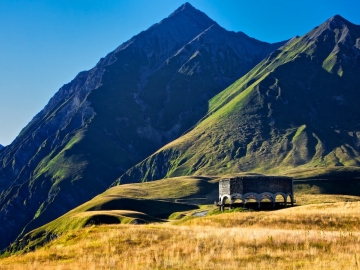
(298, 108)
(144, 94)
(1, 146)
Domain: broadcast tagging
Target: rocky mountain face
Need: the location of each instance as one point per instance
(1, 146)
(146, 93)
(298, 108)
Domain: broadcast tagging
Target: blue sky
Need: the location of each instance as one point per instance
(44, 44)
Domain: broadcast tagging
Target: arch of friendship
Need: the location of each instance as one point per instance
(257, 187)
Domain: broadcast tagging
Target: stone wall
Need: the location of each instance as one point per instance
(224, 186)
(256, 184)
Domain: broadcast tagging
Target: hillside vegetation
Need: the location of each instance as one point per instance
(189, 103)
(295, 109)
(144, 94)
(174, 198)
(320, 236)
(132, 203)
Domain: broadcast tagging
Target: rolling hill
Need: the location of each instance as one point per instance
(127, 204)
(176, 199)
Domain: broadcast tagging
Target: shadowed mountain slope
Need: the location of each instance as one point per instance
(144, 94)
(298, 108)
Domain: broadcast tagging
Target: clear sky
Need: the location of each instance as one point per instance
(45, 43)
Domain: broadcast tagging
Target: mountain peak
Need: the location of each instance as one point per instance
(189, 11)
(335, 24)
(336, 17)
(337, 21)
(185, 7)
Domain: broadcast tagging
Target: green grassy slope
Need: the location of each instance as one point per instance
(132, 203)
(144, 94)
(296, 109)
(154, 202)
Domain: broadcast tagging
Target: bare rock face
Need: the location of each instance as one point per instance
(144, 94)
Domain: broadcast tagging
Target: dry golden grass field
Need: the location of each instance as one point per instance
(311, 236)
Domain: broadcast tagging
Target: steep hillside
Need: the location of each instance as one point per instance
(1, 146)
(298, 108)
(144, 94)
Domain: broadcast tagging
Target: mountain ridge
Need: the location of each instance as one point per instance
(260, 131)
(145, 93)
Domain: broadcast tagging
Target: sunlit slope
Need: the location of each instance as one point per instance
(127, 204)
(74, 221)
(296, 109)
(321, 236)
(156, 201)
(144, 94)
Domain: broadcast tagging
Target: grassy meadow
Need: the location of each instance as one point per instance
(317, 236)
(321, 232)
